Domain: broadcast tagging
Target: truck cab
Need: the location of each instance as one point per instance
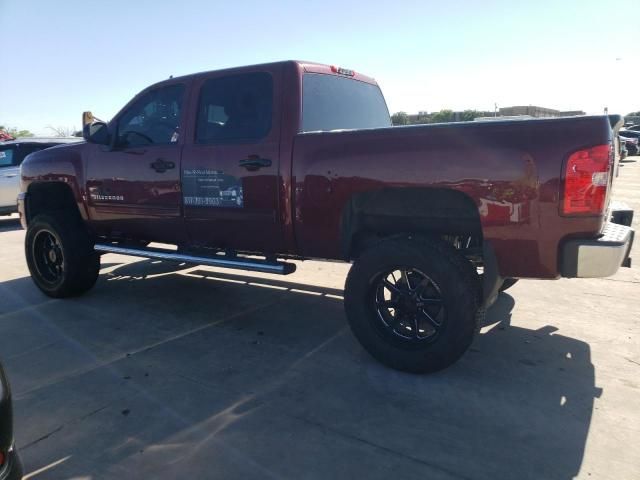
(216, 149)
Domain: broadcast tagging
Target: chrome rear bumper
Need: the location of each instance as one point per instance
(600, 257)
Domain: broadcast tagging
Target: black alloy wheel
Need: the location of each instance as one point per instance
(413, 303)
(60, 255)
(48, 257)
(409, 304)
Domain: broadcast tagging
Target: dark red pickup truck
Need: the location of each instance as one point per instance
(296, 160)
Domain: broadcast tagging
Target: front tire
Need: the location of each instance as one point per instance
(413, 303)
(60, 256)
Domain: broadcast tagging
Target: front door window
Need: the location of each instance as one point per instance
(154, 119)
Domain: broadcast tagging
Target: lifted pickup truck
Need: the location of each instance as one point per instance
(297, 160)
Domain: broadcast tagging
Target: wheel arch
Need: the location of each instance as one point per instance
(52, 196)
(391, 211)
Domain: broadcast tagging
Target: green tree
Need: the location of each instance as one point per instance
(443, 116)
(469, 115)
(633, 114)
(400, 118)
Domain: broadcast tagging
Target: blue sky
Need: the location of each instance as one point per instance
(63, 57)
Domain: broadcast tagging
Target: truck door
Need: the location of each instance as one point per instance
(133, 189)
(230, 168)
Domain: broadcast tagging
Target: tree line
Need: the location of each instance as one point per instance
(442, 116)
(446, 116)
(12, 132)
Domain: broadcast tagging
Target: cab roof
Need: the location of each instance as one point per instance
(305, 66)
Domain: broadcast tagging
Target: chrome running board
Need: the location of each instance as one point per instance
(216, 260)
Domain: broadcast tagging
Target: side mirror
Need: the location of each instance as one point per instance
(97, 132)
(87, 118)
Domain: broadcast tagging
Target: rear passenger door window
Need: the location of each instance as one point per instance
(235, 109)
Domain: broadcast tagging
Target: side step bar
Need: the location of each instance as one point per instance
(219, 260)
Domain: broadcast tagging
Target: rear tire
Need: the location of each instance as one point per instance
(427, 320)
(60, 256)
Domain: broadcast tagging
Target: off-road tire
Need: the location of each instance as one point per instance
(79, 264)
(458, 282)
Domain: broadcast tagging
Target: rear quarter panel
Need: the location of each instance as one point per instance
(511, 170)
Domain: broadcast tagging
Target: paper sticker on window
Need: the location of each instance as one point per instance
(203, 187)
(3, 154)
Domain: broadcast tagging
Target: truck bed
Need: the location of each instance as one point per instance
(511, 170)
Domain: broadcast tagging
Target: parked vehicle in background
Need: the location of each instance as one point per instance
(632, 145)
(299, 160)
(622, 145)
(12, 153)
(10, 465)
(631, 139)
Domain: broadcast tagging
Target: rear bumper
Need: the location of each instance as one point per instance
(599, 257)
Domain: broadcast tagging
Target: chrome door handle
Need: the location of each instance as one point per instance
(10, 175)
(254, 162)
(161, 166)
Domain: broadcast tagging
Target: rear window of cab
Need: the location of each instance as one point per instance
(331, 102)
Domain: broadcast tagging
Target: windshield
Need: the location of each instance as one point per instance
(330, 102)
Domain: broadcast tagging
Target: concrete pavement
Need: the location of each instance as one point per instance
(166, 371)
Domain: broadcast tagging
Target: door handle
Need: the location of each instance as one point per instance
(161, 165)
(254, 162)
(10, 175)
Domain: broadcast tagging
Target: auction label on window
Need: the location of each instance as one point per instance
(203, 187)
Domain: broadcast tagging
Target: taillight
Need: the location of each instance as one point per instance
(586, 181)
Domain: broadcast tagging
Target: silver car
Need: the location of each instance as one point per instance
(11, 155)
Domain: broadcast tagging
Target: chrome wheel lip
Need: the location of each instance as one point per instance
(420, 305)
(48, 258)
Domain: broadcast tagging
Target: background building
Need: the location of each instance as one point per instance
(537, 112)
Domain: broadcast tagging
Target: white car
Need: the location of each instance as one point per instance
(12, 153)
